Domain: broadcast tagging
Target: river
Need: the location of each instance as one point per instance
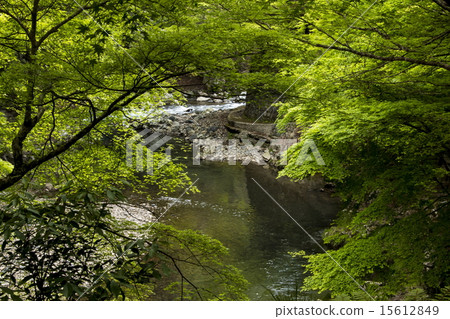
(232, 208)
(259, 234)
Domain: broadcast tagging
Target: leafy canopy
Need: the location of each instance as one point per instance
(377, 107)
(72, 74)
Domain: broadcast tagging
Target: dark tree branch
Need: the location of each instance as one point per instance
(379, 57)
(17, 20)
(33, 30)
(181, 274)
(443, 4)
(55, 28)
(21, 168)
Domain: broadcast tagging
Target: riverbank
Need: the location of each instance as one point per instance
(217, 140)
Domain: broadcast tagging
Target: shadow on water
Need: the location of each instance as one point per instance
(233, 209)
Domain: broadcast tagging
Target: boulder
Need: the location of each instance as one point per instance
(203, 99)
(266, 155)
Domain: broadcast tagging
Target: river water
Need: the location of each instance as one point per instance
(232, 208)
(259, 234)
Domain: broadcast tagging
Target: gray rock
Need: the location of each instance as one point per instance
(193, 137)
(243, 135)
(49, 187)
(266, 155)
(203, 99)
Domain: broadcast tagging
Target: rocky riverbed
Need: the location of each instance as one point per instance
(213, 139)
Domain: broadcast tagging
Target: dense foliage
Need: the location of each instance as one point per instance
(377, 106)
(366, 80)
(72, 75)
(71, 248)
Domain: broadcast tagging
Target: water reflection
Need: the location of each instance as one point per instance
(233, 209)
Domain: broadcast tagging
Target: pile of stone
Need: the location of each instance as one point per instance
(202, 97)
(140, 214)
(213, 140)
(193, 126)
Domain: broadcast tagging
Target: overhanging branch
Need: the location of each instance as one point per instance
(379, 57)
(21, 170)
